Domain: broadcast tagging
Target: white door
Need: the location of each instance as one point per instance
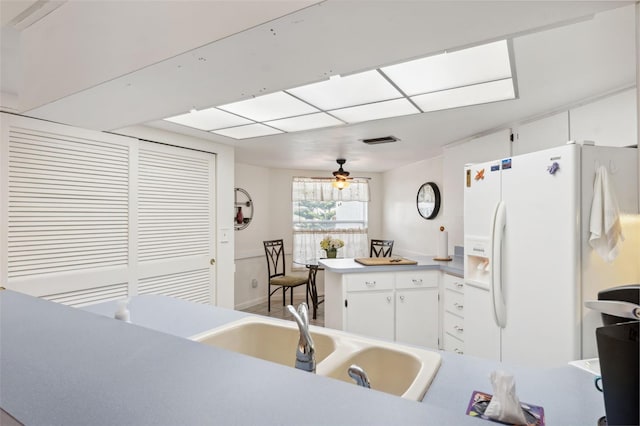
(370, 313)
(175, 223)
(541, 257)
(417, 317)
(482, 193)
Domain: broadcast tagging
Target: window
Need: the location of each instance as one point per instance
(320, 210)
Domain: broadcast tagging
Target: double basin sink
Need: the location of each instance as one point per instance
(392, 368)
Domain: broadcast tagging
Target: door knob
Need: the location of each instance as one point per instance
(212, 261)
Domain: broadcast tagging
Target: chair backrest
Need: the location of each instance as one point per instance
(274, 250)
(381, 248)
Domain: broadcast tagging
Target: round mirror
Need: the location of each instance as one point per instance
(428, 200)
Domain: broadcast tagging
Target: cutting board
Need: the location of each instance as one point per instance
(384, 261)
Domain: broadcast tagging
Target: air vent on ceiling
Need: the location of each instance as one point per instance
(384, 139)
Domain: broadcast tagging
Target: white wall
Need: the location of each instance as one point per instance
(270, 189)
(412, 234)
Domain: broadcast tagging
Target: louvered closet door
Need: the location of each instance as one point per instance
(175, 222)
(89, 217)
(65, 205)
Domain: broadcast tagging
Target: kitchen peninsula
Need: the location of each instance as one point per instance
(67, 366)
(392, 301)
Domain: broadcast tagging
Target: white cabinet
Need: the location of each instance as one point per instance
(453, 314)
(369, 304)
(417, 308)
(611, 121)
(401, 306)
(541, 134)
(370, 313)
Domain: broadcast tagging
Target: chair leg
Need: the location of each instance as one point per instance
(269, 298)
(309, 291)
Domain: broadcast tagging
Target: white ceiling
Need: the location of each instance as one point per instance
(563, 54)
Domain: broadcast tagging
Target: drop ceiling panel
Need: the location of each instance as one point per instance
(248, 131)
(209, 119)
(340, 92)
(305, 122)
(464, 67)
(469, 95)
(270, 107)
(375, 111)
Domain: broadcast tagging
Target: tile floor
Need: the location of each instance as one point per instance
(279, 311)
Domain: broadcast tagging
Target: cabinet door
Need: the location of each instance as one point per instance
(541, 134)
(417, 317)
(370, 313)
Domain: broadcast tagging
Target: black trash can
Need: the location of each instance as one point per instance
(619, 359)
(618, 347)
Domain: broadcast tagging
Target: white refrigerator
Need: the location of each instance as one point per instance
(528, 265)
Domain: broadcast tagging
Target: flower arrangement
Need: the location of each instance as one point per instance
(328, 243)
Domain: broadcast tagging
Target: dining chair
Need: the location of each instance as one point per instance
(276, 270)
(316, 299)
(381, 248)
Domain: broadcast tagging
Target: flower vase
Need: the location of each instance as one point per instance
(332, 253)
(239, 216)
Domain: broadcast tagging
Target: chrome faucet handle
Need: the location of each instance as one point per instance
(359, 376)
(306, 350)
(303, 311)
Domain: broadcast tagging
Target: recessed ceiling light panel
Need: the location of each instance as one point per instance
(469, 95)
(340, 92)
(209, 119)
(245, 132)
(270, 107)
(305, 122)
(478, 64)
(386, 109)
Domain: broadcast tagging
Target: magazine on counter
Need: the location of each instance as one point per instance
(480, 400)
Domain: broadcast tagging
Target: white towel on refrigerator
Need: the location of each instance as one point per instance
(604, 225)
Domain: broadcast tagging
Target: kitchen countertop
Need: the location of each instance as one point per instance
(350, 266)
(69, 366)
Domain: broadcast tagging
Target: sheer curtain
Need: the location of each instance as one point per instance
(306, 242)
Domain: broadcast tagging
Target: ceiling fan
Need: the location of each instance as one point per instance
(341, 175)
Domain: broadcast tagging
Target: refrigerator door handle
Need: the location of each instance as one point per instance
(497, 233)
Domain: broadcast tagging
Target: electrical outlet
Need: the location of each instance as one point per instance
(254, 283)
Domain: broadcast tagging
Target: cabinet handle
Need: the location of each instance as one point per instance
(459, 285)
(370, 283)
(402, 298)
(458, 306)
(458, 329)
(388, 299)
(458, 351)
(418, 281)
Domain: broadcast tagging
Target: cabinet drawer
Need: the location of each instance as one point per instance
(454, 302)
(417, 279)
(453, 344)
(368, 282)
(453, 283)
(454, 325)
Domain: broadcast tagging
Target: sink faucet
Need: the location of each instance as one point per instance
(306, 350)
(359, 375)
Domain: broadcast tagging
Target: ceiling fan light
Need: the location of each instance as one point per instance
(340, 184)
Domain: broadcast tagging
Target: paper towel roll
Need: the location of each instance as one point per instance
(443, 245)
